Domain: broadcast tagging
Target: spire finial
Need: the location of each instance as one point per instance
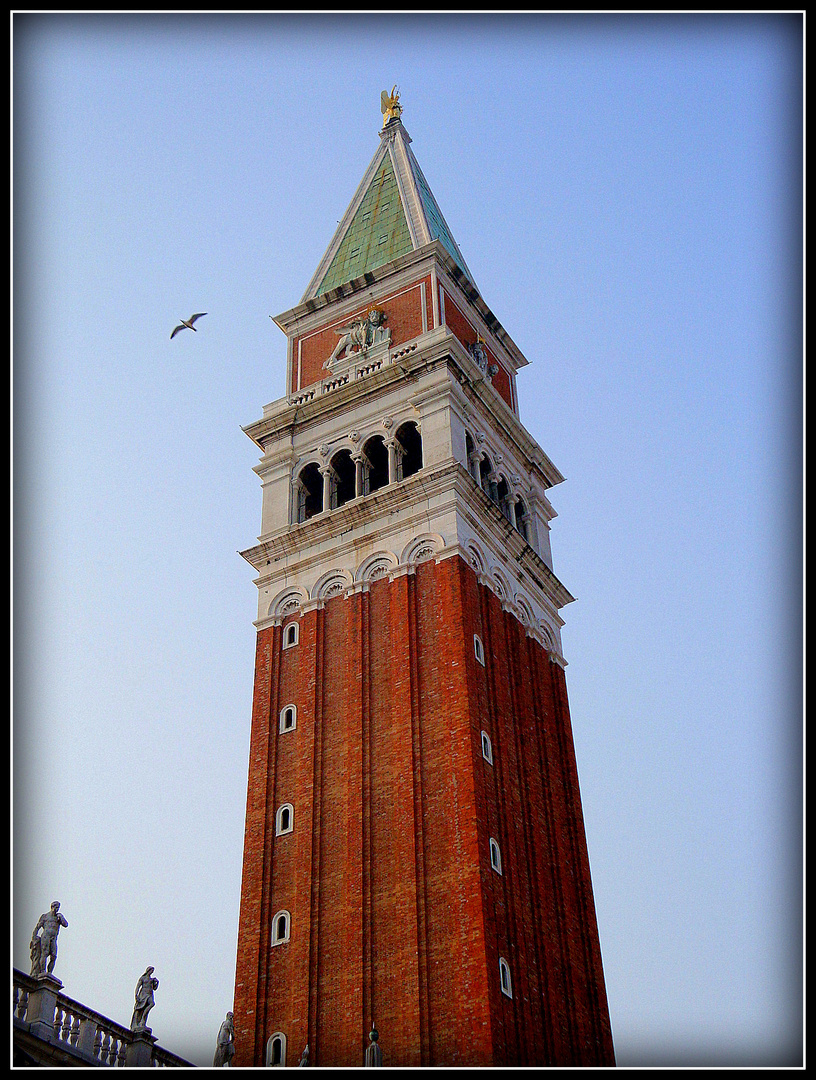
(389, 105)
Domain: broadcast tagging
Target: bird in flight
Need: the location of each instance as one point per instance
(188, 323)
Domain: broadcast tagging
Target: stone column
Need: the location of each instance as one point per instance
(326, 472)
(391, 445)
(358, 474)
(295, 500)
(474, 457)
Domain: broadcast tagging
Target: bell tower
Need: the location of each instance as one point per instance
(414, 854)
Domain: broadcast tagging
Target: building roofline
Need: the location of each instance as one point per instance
(287, 321)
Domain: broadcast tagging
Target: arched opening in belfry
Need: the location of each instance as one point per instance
(470, 451)
(503, 498)
(486, 479)
(375, 464)
(520, 518)
(343, 483)
(310, 492)
(409, 457)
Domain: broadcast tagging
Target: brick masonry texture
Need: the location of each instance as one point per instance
(404, 311)
(459, 325)
(397, 917)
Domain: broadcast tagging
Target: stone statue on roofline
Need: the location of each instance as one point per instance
(225, 1047)
(144, 1000)
(43, 947)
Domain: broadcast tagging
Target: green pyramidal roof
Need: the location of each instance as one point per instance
(392, 213)
(377, 234)
(437, 226)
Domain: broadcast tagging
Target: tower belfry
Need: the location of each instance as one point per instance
(414, 847)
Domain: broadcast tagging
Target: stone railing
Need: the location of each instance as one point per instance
(358, 365)
(52, 1028)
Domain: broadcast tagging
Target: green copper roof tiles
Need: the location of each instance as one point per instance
(378, 232)
(433, 215)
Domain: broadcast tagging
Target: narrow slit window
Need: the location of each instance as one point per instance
(487, 748)
(478, 648)
(290, 635)
(284, 819)
(288, 718)
(495, 856)
(504, 976)
(276, 1051)
(281, 925)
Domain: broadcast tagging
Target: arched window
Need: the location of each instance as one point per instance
(288, 718)
(291, 634)
(504, 977)
(343, 479)
(470, 454)
(409, 450)
(276, 1051)
(495, 856)
(375, 464)
(478, 648)
(284, 819)
(520, 518)
(487, 748)
(280, 927)
(486, 478)
(503, 498)
(309, 492)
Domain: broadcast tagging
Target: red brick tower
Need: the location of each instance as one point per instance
(414, 855)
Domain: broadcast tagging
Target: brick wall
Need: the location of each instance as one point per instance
(397, 917)
(459, 324)
(404, 311)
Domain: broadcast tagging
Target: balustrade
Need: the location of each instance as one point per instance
(368, 367)
(79, 1031)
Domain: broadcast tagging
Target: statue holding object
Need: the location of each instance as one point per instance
(144, 1000)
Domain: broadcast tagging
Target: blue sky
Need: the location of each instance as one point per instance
(628, 194)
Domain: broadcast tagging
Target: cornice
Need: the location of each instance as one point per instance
(477, 388)
(371, 287)
(300, 318)
(310, 538)
(413, 505)
(292, 413)
(458, 278)
(293, 319)
(286, 417)
(342, 587)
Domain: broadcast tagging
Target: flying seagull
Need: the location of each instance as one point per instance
(188, 323)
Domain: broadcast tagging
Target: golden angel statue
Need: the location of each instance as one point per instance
(391, 108)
